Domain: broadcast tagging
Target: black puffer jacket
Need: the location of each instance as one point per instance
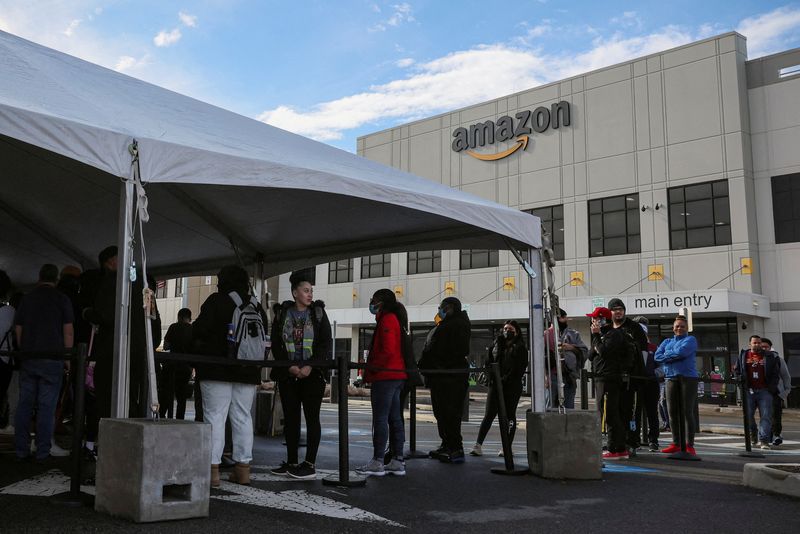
(210, 337)
(320, 349)
(447, 346)
(513, 360)
(609, 352)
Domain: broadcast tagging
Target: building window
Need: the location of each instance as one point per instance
(478, 259)
(614, 225)
(376, 266)
(553, 221)
(786, 207)
(340, 272)
(699, 215)
(161, 289)
(179, 287)
(424, 261)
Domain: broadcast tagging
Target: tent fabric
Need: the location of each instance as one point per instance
(212, 177)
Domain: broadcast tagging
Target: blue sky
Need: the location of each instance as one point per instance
(335, 70)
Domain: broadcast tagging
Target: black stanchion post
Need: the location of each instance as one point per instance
(682, 454)
(748, 451)
(584, 389)
(412, 426)
(508, 454)
(74, 497)
(345, 477)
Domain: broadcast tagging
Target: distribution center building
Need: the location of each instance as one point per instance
(671, 181)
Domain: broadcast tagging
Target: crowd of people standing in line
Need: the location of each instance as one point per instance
(79, 307)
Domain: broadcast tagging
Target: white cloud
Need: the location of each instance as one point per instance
(127, 64)
(187, 19)
(72, 27)
(401, 13)
(767, 33)
(449, 82)
(628, 19)
(405, 62)
(167, 38)
(461, 79)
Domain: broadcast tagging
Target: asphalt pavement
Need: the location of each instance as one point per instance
(646, 492)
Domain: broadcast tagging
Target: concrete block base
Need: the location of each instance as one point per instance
(779, 478)
(565, 446)
(153, 470)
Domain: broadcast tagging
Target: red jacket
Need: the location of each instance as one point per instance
(386, 349)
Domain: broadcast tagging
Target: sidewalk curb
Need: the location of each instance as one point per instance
(769, 478)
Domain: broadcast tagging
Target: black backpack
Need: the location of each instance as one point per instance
(407, 348)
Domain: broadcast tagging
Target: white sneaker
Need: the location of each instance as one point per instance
(395, 467)
(9, 430)
(373, 468)
(477, 450)
(57, 451)
(500, 453)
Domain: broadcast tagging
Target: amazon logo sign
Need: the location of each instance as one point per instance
(505, 129)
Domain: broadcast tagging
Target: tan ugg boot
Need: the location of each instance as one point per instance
(214, 475)
(241, 474)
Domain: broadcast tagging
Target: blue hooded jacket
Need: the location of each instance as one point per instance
(677, 356)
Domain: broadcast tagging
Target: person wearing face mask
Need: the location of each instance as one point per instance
(301, 333)
(573, 352)
(509, 351)
(447, 347)
(677, 356)
(387, 413)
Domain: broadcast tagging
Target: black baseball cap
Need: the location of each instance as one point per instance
(616, 303)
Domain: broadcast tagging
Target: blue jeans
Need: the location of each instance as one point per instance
(763, 399)
(39, 387)
(387, 416)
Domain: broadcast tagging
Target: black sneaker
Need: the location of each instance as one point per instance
(283, 469)
(453, 457)
(437, 453)
(90, 455)
(226, 462)
(654, 447)
(304, 471)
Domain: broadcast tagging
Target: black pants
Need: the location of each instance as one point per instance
(777, 416)
(305, 394)
(631, 412)
(511, 395)
(447, 400)
(611, 410)
(173, 385)
(6, 371)
(688, 396)
(651, 391)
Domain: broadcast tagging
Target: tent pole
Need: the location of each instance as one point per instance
(536, 332)
(121, 368)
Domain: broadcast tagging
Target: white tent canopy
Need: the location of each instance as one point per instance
(212, 178)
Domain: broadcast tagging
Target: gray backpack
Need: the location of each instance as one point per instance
(249, 333)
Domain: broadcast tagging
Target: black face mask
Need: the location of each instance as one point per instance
(508, 335)
(562, 325)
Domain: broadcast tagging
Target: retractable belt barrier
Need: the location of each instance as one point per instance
(344, 478)
(682, 382)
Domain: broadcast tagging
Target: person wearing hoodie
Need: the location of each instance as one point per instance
(509, 351)
(677, 357)
(227, 391)
(301, 334)
(447, 347)
(387, 412)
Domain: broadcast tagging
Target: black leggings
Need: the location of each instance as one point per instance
(511, 397)
(305, 393)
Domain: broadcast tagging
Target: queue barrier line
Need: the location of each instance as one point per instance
(682, 381)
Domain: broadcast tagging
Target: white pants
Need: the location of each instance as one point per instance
(234, 400)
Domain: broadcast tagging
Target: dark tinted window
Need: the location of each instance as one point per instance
(553, 222)
(614, 225)
(376, 266)
(340, 271)
(477, 259)
(786, 207)
(424, 261)
(699, 215)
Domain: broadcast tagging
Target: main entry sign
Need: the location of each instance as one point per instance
(506, 128)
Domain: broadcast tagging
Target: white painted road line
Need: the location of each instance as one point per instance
(298, 501)
(54, 482)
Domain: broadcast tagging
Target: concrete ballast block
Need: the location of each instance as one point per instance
(565, 446)
(153, 470)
